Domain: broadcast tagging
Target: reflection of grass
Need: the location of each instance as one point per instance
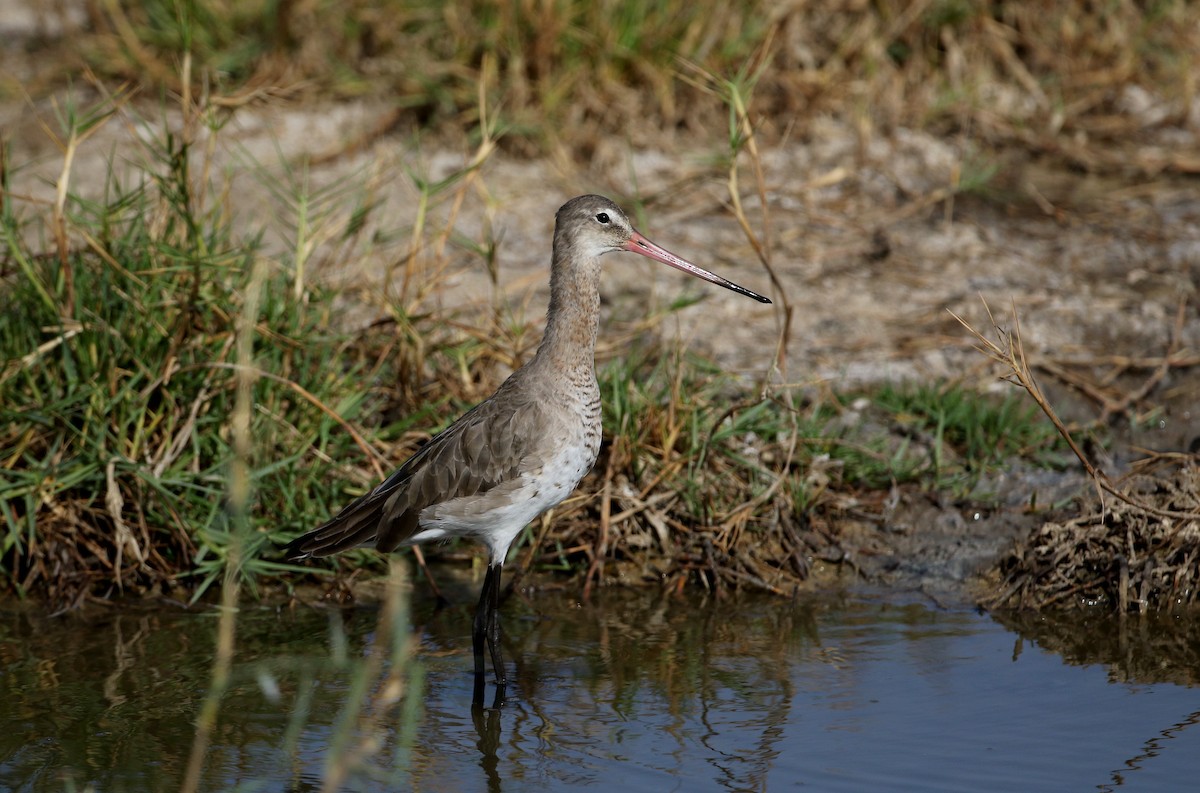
(124, 717)
(381, 708)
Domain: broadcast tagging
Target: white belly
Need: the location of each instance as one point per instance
(498, 516)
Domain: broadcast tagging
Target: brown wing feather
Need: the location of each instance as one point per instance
(483, 449)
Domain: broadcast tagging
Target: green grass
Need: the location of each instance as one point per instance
(127, 392)
(119, 385)
(172, 404)
(119, 381)
(966, 434)
(137, 318)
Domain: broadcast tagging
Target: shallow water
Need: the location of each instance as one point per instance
(637, 691)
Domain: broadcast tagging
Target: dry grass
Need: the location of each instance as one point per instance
(1063, 79)
(1117, 557)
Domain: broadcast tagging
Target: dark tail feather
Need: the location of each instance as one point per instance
(350, 529)
(360, 522)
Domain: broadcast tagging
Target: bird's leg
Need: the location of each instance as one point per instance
(486, 630)
(479, 637)
(493, 631)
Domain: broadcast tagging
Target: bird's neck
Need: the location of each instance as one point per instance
(573, 319)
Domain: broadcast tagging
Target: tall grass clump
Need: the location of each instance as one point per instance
(172, 399)
(118, 377)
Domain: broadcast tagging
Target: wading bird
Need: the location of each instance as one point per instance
(522, 450)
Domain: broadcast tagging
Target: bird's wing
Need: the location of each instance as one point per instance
(485, 448)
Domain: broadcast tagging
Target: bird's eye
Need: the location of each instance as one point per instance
(603, 218)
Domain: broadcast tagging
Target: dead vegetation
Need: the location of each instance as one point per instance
(1136, 555)
(1099, 90)
(1135, 549)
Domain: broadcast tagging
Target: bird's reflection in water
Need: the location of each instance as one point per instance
(487, 724)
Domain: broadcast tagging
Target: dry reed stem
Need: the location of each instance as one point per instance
(374, 456)
(1010, 353)
(761, 243)
(75, 137)
(596, 568)
(380, 684)
(1160, 371)
(238, 498)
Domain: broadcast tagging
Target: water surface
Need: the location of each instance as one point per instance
(637, 691)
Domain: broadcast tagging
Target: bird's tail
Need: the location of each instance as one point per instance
(356, 526)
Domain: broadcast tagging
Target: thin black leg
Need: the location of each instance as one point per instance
(479, 637)
(494, 634)
(486, 630)
(493, 630)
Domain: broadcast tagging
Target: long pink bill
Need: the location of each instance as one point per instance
(639, 244)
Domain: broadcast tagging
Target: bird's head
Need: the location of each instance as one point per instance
(590, 226)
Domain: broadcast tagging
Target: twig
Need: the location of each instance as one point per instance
(596, 569)
(1010, 353)
(375, 456)
(1156, 377)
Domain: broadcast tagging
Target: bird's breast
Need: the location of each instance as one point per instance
(574, 450)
